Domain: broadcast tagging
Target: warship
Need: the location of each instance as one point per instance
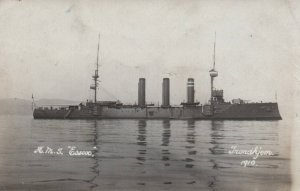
(215, 109)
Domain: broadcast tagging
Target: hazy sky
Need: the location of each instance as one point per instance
(49, 48)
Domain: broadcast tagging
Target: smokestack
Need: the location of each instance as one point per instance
(142, 92)
(190, 91)
(166, 92)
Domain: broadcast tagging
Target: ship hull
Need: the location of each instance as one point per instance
(250, 111)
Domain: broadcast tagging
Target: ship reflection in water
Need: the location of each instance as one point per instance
(143, 155)
(142, 142)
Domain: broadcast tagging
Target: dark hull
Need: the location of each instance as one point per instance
(251, 111)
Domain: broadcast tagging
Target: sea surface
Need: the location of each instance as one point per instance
(143, 155)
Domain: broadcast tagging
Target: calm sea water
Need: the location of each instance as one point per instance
(143, 155)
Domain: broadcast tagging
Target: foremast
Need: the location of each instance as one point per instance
(213, 73)
(96, 76)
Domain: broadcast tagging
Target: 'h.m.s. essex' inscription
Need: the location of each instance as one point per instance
(71, 151)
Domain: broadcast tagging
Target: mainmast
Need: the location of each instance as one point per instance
(214, 56)
(213, 73)
(96, 76)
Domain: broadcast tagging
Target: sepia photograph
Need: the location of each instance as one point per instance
(150, 95)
